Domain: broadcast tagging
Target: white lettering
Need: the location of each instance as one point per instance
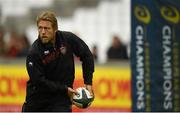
(167, 70)
(140, 67)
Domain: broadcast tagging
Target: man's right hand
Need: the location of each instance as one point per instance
(71, 92)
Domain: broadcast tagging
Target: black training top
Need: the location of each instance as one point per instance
(51, 69)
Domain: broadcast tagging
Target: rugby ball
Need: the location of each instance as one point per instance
(83, 99)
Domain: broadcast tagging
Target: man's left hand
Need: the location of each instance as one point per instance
(90, 89)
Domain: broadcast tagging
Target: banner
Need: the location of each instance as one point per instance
(111, 86)
(155, 55)
(12, 84)
(140, 59)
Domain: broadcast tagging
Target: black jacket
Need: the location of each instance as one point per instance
(51, 70)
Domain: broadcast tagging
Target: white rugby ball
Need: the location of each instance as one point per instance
(83, 99)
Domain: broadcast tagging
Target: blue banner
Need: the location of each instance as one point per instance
(155, 53)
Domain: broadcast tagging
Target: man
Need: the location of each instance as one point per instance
(50, 65)
(117, 50)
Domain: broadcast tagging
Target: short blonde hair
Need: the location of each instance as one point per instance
(48, 16)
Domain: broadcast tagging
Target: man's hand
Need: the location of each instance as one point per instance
(71, 92)
(90, 89)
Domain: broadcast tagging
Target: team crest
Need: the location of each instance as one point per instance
(63, 50)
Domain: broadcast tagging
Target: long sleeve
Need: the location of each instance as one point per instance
(37, 75)
(81, 50)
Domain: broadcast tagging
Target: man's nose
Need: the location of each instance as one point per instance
(43, 31)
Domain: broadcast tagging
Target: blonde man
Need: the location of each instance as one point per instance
(50, 66)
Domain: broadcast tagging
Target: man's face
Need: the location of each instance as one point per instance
(46, 31)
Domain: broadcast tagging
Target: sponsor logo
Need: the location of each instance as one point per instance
(167, 68)
(142, 14)
(140, 85)
(46, 52)
(170, 14)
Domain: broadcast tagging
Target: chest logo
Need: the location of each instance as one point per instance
(63, 50)
(46, 52)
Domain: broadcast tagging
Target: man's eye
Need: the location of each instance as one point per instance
(46, 28)
(40, 28)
